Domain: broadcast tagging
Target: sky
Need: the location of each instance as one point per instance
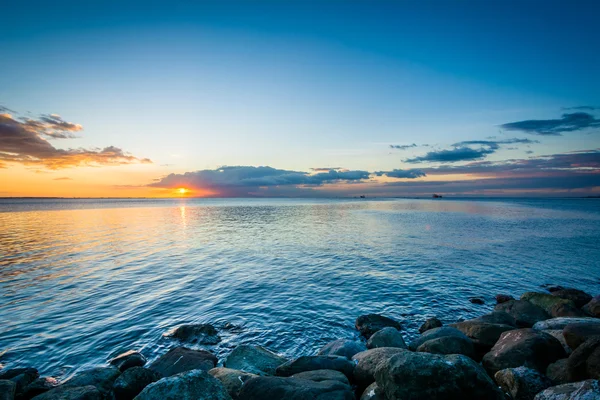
(299, 98)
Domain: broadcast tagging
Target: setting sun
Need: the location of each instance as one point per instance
(182, 190)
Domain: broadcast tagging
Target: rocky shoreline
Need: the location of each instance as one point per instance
(542, 346)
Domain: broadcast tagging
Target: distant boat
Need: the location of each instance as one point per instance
(362, 197)
(437, 196)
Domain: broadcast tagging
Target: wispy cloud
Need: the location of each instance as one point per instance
(453, 155)
(582, 108)
(63, 178)
(402, 173)
(402, 147)
(569, 122)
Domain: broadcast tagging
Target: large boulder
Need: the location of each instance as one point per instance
(576, 334)
(558, 372)
(584, 363)
(386, 337)
(525, 313)
(196, 333)
(370, 323)
(430, 324)
(342, 347)
(181, 359)
(593, 307)
(409, 375)
(8, 389)
(312, 363)
(558, 334)
(132, 381)
(321, 375)
(127, 360)
(449, 345)
(503, 298)
(63, 392)
(190, 385)
(434, 334)
(367, 362)
(497, 317)
(231, 379)
(522, 383)
(561, 323)
(20, 376)
(102, 378)
(483, 334)
(254, 359)
(545, 300)
(371, 393)
(523, 347)
(566, 310)
(39, 386)
(578, 297)
(585, 390)
(279, 388)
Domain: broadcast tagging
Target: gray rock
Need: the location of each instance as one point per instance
(39, 386)
(313, 363)
(522, 383)
(367, 362)
(578, 297)
(503, 298)
(342, 347)
(132, 381)
(71, 393)
(278, 388)
(409, 375)
(371, 323)
(584, 363)
(586, 390)
(370, 393)
(321, 375)
(566, 310)
(127, 360)
(181, 359)
(386, 337)
(497, 317)
(190, 385)
(593, 307)
(231, 379)
(558, 334)
(576, 334)
(101, 378)
(8, 389)
(483, 334)
(20, 376)
(558, 372)
(449, 345)
(196, 333)
(434, 334)
(254, 359)
(430, 324)
(561, 323)
(525, 313)
(523, 347)
(545, 300)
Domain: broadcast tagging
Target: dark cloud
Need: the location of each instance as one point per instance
(495, 144)
(453, 155)
(402, 147)
(569, 122)
(402, 173)
(582, 108)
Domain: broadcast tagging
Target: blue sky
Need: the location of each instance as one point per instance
(296, 85)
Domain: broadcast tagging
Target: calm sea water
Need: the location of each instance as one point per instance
(82, 280)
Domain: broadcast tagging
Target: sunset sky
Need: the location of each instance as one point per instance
(299, 98)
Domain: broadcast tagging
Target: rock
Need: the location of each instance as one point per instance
(63, 392)
(370, 393)
(483, 334)
(132, 381)
(182, 359)
(254, 359)
(342, 347)
(558, 334)
(586, 390)
(477, 300)
(313, 363)
(522, 383)
(544, 300)
(566, 310)
(578, 297)
(561, 323)
(430, 324)
(558, 372)
(497, 317)
(196, 333)
(525, 313)
(371, 323)
(102, 378)
(593, 307)
(367, 362)
(8, 389)
(551, 288)
(449, 345)
(231, 379)
(190, 385)
(584, 363)
(321, 375)
(386, 337)
(409, 375)
(278, 388)
(39, 386)
(503, 298)
(20, 376)
(127, 360)
(434, 334)
(523, 347)
(576, 334)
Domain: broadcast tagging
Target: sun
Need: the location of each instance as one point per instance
(182, 190)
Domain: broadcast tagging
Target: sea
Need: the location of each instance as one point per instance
(82, 280)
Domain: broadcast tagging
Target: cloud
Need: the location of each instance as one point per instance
(453, 155)
(24, 141)
(402, 173)
(327, 169)
(569, 122)
(582, 108)
(64, 178)
(402, 147)
(495, 144)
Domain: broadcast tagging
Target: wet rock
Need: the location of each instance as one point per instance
(386, 337)
(503, 298)
(20, 376)
(190, 385)
(8, 389)
(523, 347)
(371, 323)
(39, 386)
(544, 300)
(551, 288)
(558, 372)
(558, 334)
(342, 347)
(561, 323)
(370, 393)
(586, 390)
(63, 392)
(593, 307)
(584, 363)
(566, 310)
(477, 300)
(483, 334)
(321, 375)
(434, 334)
(578, 297)
(254, 359)
(522, 383)
(367, 362)
(497, 317)
(525, 313)
(196, 333)
(231, 379)
(409, 375)
(278, 388)
(181, 359)
(576, 334)
(127, 360)
(430, 324)
(102, 378)
(449, 345)
(132, 381)
(313, 363)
